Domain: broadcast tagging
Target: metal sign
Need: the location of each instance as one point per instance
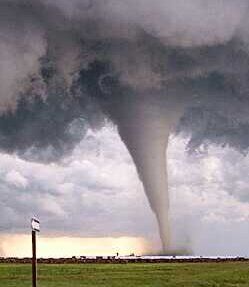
(35, 224)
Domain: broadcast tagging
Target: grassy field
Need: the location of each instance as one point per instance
(129, 275)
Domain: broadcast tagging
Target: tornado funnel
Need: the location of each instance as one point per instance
(144, 124)
(147, 146)
(144, 121)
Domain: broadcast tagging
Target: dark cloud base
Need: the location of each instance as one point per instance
(127, 71)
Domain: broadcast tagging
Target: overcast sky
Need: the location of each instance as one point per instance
(96, 193)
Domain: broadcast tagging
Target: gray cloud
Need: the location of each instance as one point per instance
(148, 68)
(49, 43)
(95, 193)
(74, 197)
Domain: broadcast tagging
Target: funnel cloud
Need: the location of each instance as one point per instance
(152, 69)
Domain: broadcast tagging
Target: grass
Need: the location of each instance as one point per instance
(128, 275)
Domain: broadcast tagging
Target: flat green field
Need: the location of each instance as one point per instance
(129, 275)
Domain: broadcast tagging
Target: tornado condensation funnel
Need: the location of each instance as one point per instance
(145, 127)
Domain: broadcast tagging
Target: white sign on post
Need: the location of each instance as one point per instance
(35, 224)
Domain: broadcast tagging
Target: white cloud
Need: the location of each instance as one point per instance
(203, 206)
(15, 178)
(96, 192)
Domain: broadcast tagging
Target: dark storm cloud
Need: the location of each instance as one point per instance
(148, 68)
(115, 62)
